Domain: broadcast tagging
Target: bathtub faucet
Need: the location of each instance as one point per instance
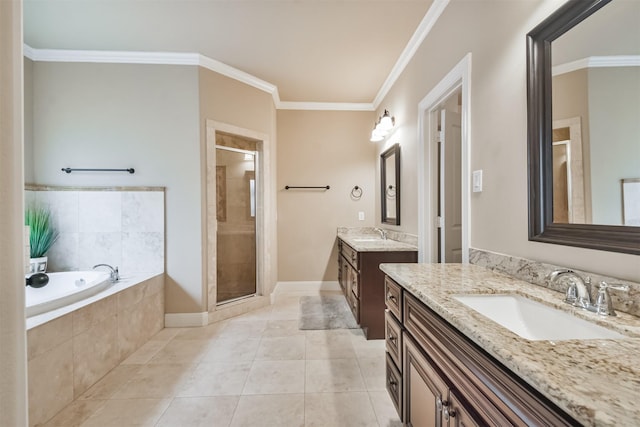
(114, 275)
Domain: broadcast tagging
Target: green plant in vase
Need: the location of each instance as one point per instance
(42, 235)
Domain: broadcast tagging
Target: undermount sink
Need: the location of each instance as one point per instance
(533, 320)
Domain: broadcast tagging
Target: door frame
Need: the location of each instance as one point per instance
(263, 184)
(458, 78)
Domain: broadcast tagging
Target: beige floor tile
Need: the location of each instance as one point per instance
(155, 381)
(199, 412)
(166, 334)
(232, 348)
(373, 370)
(339, 410)
(333, 375)
(275, 376)
(181, 352)
(281, 348)
(75, 413)
(274, 410)
(213, 330)
(110, 383)
(239, 327)
(222, 378)
(128, 412)
(330, 344)
(145, 353)
(282, 328)
(384, 409)
(262, 314)
(367, 348)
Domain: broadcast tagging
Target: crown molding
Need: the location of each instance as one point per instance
(597, 62)
(175, 58)
(326, 106)
(427, 23)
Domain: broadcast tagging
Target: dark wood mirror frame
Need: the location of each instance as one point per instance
(614, 238)
(394, 150)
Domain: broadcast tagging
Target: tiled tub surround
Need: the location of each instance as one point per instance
(536, 272)
(71, 348)
(122, 226)
(597, 382)
(395, 241)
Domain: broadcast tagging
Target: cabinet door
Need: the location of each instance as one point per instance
(425, 392)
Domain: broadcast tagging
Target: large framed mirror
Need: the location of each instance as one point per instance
(390, 185)
(583, 104)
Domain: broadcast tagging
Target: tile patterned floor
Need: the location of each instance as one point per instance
(253, 370)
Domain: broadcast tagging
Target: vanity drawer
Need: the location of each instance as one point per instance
(350, 254)
(393, 338)
(392, 293)
(394, 385)
(355, 285)
(354, 304)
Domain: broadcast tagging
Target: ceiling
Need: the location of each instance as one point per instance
(335, 51)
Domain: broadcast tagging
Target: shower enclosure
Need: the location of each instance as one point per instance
(236, 220)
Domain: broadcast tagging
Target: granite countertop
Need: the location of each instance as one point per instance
(597, 381)
(367, 242)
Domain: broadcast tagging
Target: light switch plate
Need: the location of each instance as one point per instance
(477, 181)
(361, 216)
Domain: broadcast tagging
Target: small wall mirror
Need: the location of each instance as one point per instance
(583, 89)
(390, 185)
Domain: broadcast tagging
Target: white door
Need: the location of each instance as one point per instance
(450, 197)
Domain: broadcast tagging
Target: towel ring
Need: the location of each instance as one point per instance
(356, 193)
(391, 192)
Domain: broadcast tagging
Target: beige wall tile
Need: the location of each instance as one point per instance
(45, 337)
(95, 352)
(50, 383)
(86, 317)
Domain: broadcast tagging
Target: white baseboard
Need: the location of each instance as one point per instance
(186, 320)
(306, 287)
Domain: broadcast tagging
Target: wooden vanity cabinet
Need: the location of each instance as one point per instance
(362, 282)
(447, 380)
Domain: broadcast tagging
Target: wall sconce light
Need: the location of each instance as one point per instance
(383, 127)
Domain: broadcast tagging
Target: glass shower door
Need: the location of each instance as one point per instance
(236, 217)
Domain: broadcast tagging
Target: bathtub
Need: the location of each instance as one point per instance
(64, 289)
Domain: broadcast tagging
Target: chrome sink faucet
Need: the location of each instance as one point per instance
(579, 290)
(114, 274)
(604, 306)
(383, 233)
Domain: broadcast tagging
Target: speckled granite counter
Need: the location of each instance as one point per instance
(595, 381)
(374, 243)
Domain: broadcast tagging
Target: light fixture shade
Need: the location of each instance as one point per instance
(376, 136)
(386, 121)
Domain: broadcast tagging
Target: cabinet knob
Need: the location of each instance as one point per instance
(391, 338)
(448, 413)
(391, 297)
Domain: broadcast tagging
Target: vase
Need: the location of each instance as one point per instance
(38, 265)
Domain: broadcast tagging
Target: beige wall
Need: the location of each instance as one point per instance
(13, 372)
(614, 108)
(228, 101)
(495, 33)
(28, 121)
(318, 148)
(117, 116)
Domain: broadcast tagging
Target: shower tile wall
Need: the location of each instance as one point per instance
(120, 228)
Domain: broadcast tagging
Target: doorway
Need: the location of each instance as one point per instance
(444, 169)
(448, 233)
(236, 217)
